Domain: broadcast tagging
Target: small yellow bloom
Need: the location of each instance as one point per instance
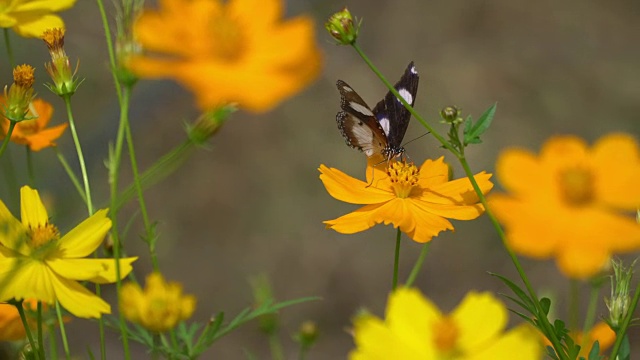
(30, 18)
(418, 201)
(238, 51)
(159, 307)
(37, 262)
(415, 329)
(569, 202)
(34, 133)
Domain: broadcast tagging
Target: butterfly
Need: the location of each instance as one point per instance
(379, 131)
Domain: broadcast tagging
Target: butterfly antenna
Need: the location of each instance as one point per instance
(421, 136)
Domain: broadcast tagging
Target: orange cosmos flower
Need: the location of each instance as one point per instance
(237, 51)
(34, 133)
(417, 201)
(600, 332)
(569, 201)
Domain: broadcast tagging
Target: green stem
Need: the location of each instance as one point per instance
(53, 346)
(110, 51)
(32, 178)
(114, 175)
(9, 174)
(574, 304)
(418, 265)
(70, 173)
(396, 259)
(27, 329)
(76, 141)
(150, 235)
(63, 333)
(622, 331)
(590, 317)
(276, 347)
(12, 125)
(544, 321)
(40, 332)
(7, 42)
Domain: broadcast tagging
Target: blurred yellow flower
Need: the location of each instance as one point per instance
(570, 201)
(30, 18)
(418, 201)
(237, 51)
(34, 133)
(36, 262)
(159, 307)
(415, 329)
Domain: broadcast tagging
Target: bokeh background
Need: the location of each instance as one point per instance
(252, 202)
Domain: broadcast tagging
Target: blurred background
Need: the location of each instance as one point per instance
(253, 204)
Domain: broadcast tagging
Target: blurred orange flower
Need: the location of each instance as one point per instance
(601, 332)
(11, 327)
(237, 51)
(34, 133)
(418, 201)
(570, 201)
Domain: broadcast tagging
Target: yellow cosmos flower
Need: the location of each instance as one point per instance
(36, 262)
(30, 18)
(415, 329)
(237, 51)
(418, 201)
(34, 133)
(159, 307)
(570, 201)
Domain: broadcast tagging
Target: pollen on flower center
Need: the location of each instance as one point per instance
(227, 39)
(576, 186)
(404, 177)
(42, 235)
(446, 335)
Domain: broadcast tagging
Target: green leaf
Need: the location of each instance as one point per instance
(594, 354)
(551, 352)
(545, 303)
(519, 292)
(524, 317)
(472, 134)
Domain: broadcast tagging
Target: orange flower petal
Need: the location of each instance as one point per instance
(582, 263)
(45, 138)
(616, 158)
(457, 191)
(433, 172)
(359, 220)
(259, 14)
(517, 169)
(345, 188)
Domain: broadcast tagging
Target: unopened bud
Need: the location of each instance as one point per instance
(340, 25)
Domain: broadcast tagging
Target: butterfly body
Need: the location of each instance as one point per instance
(379, 131)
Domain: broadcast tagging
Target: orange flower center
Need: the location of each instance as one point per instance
(226, 37)
(446, 335)
(576, 185)
(43, 235)
(404, 177)
(28, 127)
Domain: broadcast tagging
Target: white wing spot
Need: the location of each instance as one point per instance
(413, 70)
(406, 95)
(347, 89)
(384, 122)
(361, 109)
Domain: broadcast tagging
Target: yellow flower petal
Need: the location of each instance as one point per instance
(375, 341)
(78, 300)
(33, 212)
(34, 24)
(457, 192)
(31, 279)
(517, 169)
(345, 188)
(480, 318)
(521, 341)
(404, 306)
(101, 271)
(12, 232)
(433, 172)
(87, 236)
(108, 275)
(45, 5)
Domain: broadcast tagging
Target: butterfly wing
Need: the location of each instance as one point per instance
(391, 114)
(358, 124)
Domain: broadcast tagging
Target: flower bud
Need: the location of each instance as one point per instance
(64, 81)
(451, 115)
(20, 94)
(307, 334)
(620, 300)
(340, 26)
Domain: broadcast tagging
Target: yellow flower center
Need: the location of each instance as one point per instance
(43, 235)
(23, 76)
(576, 186)
(404, 177)
(227, 39)
(446, 335)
